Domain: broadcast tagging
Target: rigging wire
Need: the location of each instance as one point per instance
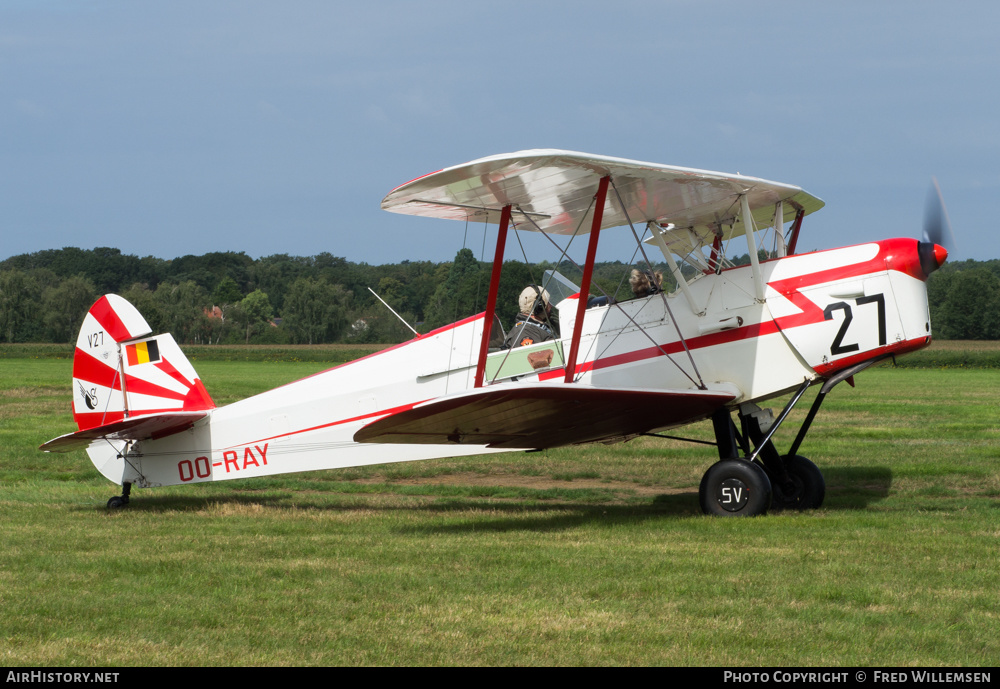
(619, 307)
(531, 273)
(524, 324)
(662, 295)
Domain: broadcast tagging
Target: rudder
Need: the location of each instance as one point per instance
(121, 370)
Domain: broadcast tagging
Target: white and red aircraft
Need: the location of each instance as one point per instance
(726, 339)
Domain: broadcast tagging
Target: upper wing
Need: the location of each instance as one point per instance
(555, 188)
(541, 416)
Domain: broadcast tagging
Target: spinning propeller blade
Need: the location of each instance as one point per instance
(937, 237)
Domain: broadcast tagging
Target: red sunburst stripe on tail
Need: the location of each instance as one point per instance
(197, 397)
(86, 421)
(90, 370)
(109, 320)
(172, 371)
(138, 386)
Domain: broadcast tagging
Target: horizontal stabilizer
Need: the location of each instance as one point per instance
(542, 416)
(132, 428)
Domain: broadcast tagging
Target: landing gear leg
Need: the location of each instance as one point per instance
(797, 482)
(801, 486)
(120, 501)
(733, 486)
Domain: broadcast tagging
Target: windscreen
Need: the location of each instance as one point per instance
(558, 286)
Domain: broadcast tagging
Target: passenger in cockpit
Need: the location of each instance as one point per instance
(645, 282)
(532, 324)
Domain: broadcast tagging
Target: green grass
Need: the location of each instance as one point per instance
(579, 556)
(955, 354)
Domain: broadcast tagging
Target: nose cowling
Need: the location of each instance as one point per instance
(932, 256)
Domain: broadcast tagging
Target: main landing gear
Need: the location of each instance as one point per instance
(745, 482)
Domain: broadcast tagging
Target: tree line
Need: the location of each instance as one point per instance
(228, 297)
(964, 299)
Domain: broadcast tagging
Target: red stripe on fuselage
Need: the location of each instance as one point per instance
(383, 412)
(694, 343)
(811, 313)
(788, 288)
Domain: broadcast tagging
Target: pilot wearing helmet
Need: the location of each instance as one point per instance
(532, 324)
(645, 282)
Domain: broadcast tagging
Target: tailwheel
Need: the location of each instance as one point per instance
(735, 488)
(120, 501)
(804, 488)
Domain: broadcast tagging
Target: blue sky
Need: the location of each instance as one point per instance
(178, 128)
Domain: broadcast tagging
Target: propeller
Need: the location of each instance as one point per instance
(938, 237)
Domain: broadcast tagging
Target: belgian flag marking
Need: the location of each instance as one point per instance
(142, 352)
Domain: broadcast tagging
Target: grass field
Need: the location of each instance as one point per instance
(583, 556)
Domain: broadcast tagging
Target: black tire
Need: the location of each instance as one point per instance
(117, 502)
(805, 488)
(735, 488)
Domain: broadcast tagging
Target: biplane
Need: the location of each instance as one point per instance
(726, 339)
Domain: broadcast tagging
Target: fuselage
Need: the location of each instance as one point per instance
(821, 312)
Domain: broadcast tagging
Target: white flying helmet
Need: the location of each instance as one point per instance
(529, 296)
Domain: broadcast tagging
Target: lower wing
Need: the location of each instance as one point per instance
(540, 416)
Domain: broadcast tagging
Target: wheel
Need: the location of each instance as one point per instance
(735, 488)
(117, 502)
(805, 488)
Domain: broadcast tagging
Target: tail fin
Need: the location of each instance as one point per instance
(128, 383)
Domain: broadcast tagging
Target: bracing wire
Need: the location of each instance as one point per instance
(618, 306)
(701, 382)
